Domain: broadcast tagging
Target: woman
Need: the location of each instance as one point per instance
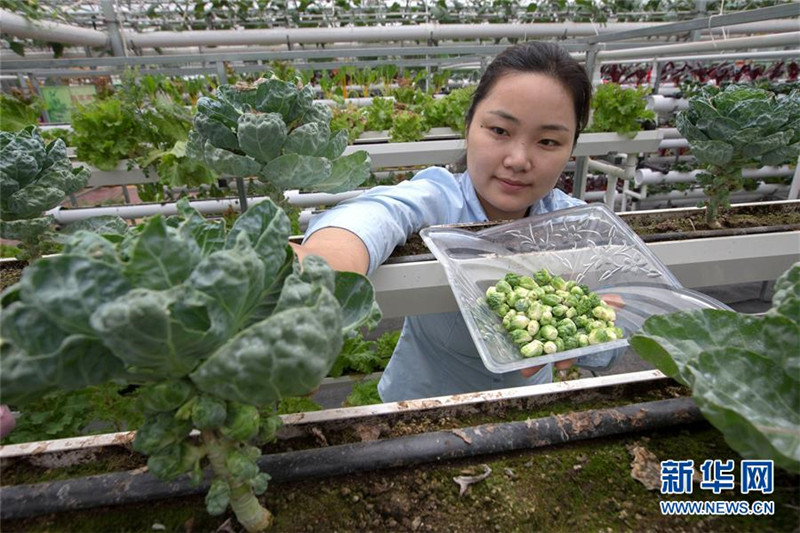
(527, 112)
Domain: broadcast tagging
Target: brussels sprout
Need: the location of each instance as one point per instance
(511, 299)
(577, 291)
(618, 332)
(559, 342)
(160, 431)
(570, 343)
(208, 413)
(548, 289)
(495, 300)
(260, 483)
(502, 310)
(597, 324)
(550, 347)
(218, 497)
(522, 305)
(526, 282)
(566, 328)
(571, 313)
(535, 311)
(521, 336)
(507, 318)
(521, 292)
(241, 422)
(519, 322)
(583, 339)
(532, 349)
(570, 285)
(164, 396)
(269, 429)
(604, 312)
(542, 277)
(512, 279)
(547, 318)
(572, 300)
(241, 466)
(558, 283)
(562, 294)
(581, 321)
(560, 310)
(536, 293)
(597, 336)
(548, 332)
(533, 327)
(503, 286)
(551, 299)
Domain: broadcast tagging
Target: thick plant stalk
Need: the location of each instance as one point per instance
(251, 514)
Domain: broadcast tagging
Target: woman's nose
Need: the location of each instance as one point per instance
(518, 159)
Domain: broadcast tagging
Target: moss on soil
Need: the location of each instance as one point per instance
(583, 486)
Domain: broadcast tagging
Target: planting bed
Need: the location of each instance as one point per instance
(575, 486)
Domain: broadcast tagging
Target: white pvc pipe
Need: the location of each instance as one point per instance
(646, 176)
(673, 143)
(418, 32)
(315, 199)
(663, 104)
(648, 53)
(18, 26)
(693, 195)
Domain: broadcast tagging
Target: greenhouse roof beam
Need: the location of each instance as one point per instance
(714, 21)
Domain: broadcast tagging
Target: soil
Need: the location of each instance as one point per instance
(583, 486)
(580, 486)
(651, 226)
(10, 273)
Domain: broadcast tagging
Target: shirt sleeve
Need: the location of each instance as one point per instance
(555, 200)
(384, 217)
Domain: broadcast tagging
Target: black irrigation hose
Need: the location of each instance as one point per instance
(21, 501)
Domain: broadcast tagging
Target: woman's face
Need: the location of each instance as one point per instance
(519, 141)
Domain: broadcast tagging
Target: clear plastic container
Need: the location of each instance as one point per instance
(588, 244)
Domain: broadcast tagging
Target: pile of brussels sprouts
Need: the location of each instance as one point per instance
(545, 314)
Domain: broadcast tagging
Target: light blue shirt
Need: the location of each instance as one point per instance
(435, 355)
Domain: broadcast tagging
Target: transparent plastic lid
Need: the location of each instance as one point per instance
(588, 244)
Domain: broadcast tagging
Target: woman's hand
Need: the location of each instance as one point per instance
(614, 300)
(6, 421)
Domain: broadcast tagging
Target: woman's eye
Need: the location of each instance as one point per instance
(497, 130)
(549, 142)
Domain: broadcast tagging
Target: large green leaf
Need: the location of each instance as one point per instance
(67, 289)
(336, 145)
(161, 333)
(219, 110)
(261, 135)
(216, 132)
(234, 278)
(318, 112)
(229, 164)
(101, 224)
(767, 144)
(308, 139)
(267, 228)
(744, 370)
(25, 230)
(202, 235)
(22, 158)
(753, 400)
(356, 297)
(347, 173)
(79, 362)
(160, 259)
(296, 171)
(33, 200)
(288, 354)
(92, 245)
(716, 153)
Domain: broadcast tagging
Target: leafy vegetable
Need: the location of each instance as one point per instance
(619, 109)
(364, 393)
(737, 127)
(744, 370)
(275, 131)
(34, 177)
(210, 321)
(545, 314)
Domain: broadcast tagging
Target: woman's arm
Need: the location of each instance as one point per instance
(341, 248)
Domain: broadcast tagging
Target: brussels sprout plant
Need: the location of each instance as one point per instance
(736, 127)
(213, 324)
(34, 177)
(273, 130)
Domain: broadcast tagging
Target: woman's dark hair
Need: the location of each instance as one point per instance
(539, 58)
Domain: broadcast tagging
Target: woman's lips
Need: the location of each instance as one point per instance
(511, 186)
